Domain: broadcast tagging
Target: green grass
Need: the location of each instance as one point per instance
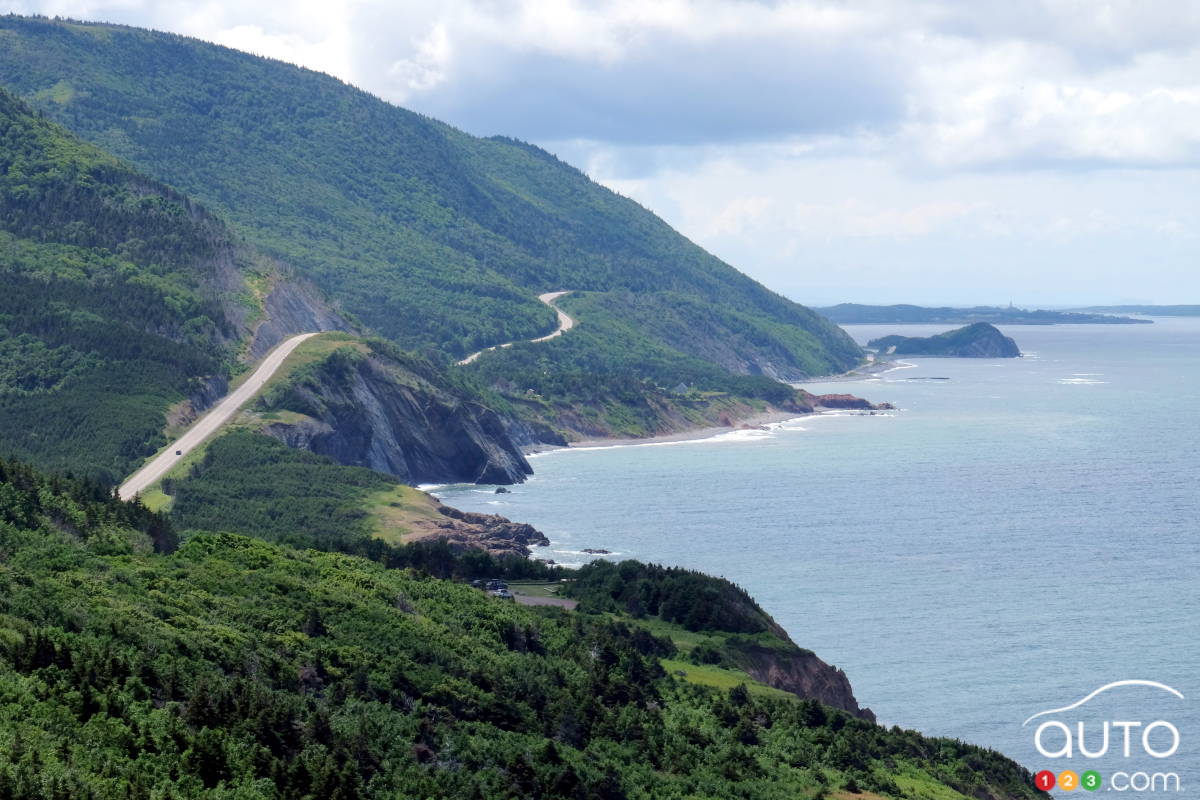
(156, 500)
(536, 588)
(393, 511)
(720, 678)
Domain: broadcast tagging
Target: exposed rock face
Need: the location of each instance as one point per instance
(802, 673)
(981, 340)
(208, 391)
(369, 411)
(495, 534)
(847, 401)
(293, 307)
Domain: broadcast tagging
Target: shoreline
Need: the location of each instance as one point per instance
(756, 422)
(863, 373)
(752, 422)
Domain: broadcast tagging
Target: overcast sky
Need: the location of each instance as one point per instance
(1046, 152)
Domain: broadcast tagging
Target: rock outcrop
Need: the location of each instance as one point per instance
(847, 401)
(495, 534)
(293, 306)
(981, 340)
(800, 672)
(369, 410)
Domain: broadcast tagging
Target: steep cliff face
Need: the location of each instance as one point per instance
(293, 306)
(800, 672)
(367, 409)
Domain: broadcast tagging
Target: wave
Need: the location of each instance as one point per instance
(899, 365)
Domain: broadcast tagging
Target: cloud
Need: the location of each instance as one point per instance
(943, 85)
(937, 150)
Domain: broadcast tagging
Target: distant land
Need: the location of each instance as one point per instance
(979, 340)
(1150, 311)
(854, 313)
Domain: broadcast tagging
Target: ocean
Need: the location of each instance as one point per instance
(1007, 541)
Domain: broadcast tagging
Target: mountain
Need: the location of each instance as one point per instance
(121, 297)
(980, 340)
(128, 308)
(435, 239)
(855, 314)
(233, 667)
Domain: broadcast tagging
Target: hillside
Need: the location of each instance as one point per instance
(232, 667)
(431, 237)
(980, 340)
(120, 297)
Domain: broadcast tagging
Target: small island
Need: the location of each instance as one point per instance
(981, 340)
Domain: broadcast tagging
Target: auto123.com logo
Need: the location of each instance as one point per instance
(1070, 734)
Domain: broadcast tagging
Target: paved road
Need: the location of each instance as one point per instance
(565, 323)
(209, 423)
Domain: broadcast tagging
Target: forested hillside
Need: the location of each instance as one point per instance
(119, 294)
(234, 668)
(434, 238)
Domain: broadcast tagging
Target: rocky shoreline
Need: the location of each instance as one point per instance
(497, 535)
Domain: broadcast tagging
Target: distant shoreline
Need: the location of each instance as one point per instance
(754, 421)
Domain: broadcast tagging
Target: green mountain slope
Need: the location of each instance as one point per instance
(234, 668)
(978, 340)
(119, 295)
(432, 237)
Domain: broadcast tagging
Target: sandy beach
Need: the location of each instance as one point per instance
(865, 372)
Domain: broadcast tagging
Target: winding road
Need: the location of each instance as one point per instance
(565, 323)
(208, 424)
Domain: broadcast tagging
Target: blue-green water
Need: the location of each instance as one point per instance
(1007, 541)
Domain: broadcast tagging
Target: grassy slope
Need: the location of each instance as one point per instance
(254, 484)
(111, 306)
(238, 668)
(431, 236)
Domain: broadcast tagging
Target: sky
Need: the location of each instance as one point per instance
(1043, 152)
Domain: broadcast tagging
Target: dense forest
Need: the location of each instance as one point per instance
(432, 237)
(109, 311)
(236, 668)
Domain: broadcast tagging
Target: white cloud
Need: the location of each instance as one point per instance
(836, 150)
(426, 68)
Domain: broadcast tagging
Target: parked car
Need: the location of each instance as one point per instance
(503, 594)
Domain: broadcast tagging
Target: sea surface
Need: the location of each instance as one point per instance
(1007, 541)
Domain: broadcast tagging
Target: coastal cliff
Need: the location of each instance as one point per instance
(363, 407)
(800, 672)
(719, 627)
(981, 340)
